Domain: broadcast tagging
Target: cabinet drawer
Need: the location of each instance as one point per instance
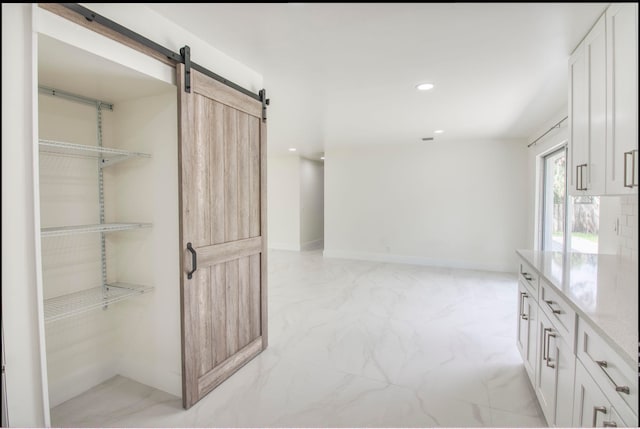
(560, 313)
(529, 277)
(616, 379)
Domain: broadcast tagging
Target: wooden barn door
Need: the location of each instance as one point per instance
(222, 149)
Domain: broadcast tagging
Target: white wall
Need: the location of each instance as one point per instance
(147, 191)
(82, 351)
(311, 204)
(283, 201)
(459, 204)
(27, 406)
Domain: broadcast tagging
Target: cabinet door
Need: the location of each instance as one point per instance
(555, 367)
(596, 62)
(591, 407)
(527, 329)
(222, 232)
(578, 124)
(622, 100)
(587, 113)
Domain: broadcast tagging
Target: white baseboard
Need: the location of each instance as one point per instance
(313, 245)
(412, 260)
(283, 246)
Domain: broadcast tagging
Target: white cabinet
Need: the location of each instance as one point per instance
(587, 113)
(603, 106)
(527, 329)
(614, 377)
(555, 367)
(622, 98)
(591, 406)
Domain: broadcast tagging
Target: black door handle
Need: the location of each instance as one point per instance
(194, 260)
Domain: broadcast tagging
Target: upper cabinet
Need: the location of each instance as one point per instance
(622, 99)
(587, 113)
(603, 106)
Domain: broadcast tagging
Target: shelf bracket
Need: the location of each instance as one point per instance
(265, 102)
(186, 58)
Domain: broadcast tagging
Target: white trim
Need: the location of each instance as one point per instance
(312, 245)
(284, 246)
(36, 218)
(414, 260)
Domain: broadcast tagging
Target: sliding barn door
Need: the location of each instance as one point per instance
(222, 232)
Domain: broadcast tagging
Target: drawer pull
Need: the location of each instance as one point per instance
(624, 389)
(597, 410)
(545, 346)
(609, 424)
(527, 276)
(549, 302)
(523, 295)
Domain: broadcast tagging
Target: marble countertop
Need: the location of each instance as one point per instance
(603, 289)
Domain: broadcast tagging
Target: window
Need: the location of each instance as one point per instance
(561, 212)
(554, 201)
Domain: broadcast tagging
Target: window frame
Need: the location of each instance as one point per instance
(562, 147)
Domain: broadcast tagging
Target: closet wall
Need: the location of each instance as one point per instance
(140, 337)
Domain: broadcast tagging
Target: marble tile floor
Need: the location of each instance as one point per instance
(354, 344)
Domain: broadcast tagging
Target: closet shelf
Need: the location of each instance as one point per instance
(75, 303)
(82, 229)
(107, 155)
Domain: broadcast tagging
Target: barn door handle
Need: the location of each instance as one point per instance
(194, 260)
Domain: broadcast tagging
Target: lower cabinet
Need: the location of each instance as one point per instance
(591, 406)
(554, 374)
(527, 329)
(578, 378)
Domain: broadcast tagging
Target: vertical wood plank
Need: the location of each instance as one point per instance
(205, 323)
(254, 176)
(264, 323)
(231, 174)
(186, 139)
(243, 175)
(244, 300)
(219, 315)
(217, 174)
(198, 210)
(254, 297)
(231, 277)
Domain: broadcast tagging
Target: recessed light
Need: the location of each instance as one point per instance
(438, 132)
(322, 157)
(292, 149)
(425, 86)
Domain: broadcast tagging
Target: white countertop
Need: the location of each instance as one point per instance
(603, 289)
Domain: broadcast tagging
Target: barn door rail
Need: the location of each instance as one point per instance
(183, 57)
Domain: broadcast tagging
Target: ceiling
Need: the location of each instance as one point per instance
(346, 73)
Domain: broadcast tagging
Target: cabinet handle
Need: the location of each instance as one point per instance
(625, 170)
(624, 389)
(609, 424)
(548, 358)
(523, 295)
(527, 276)
(580, 174)
(194, 260)
(549, 302)
(633, 168)
(597, 410)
